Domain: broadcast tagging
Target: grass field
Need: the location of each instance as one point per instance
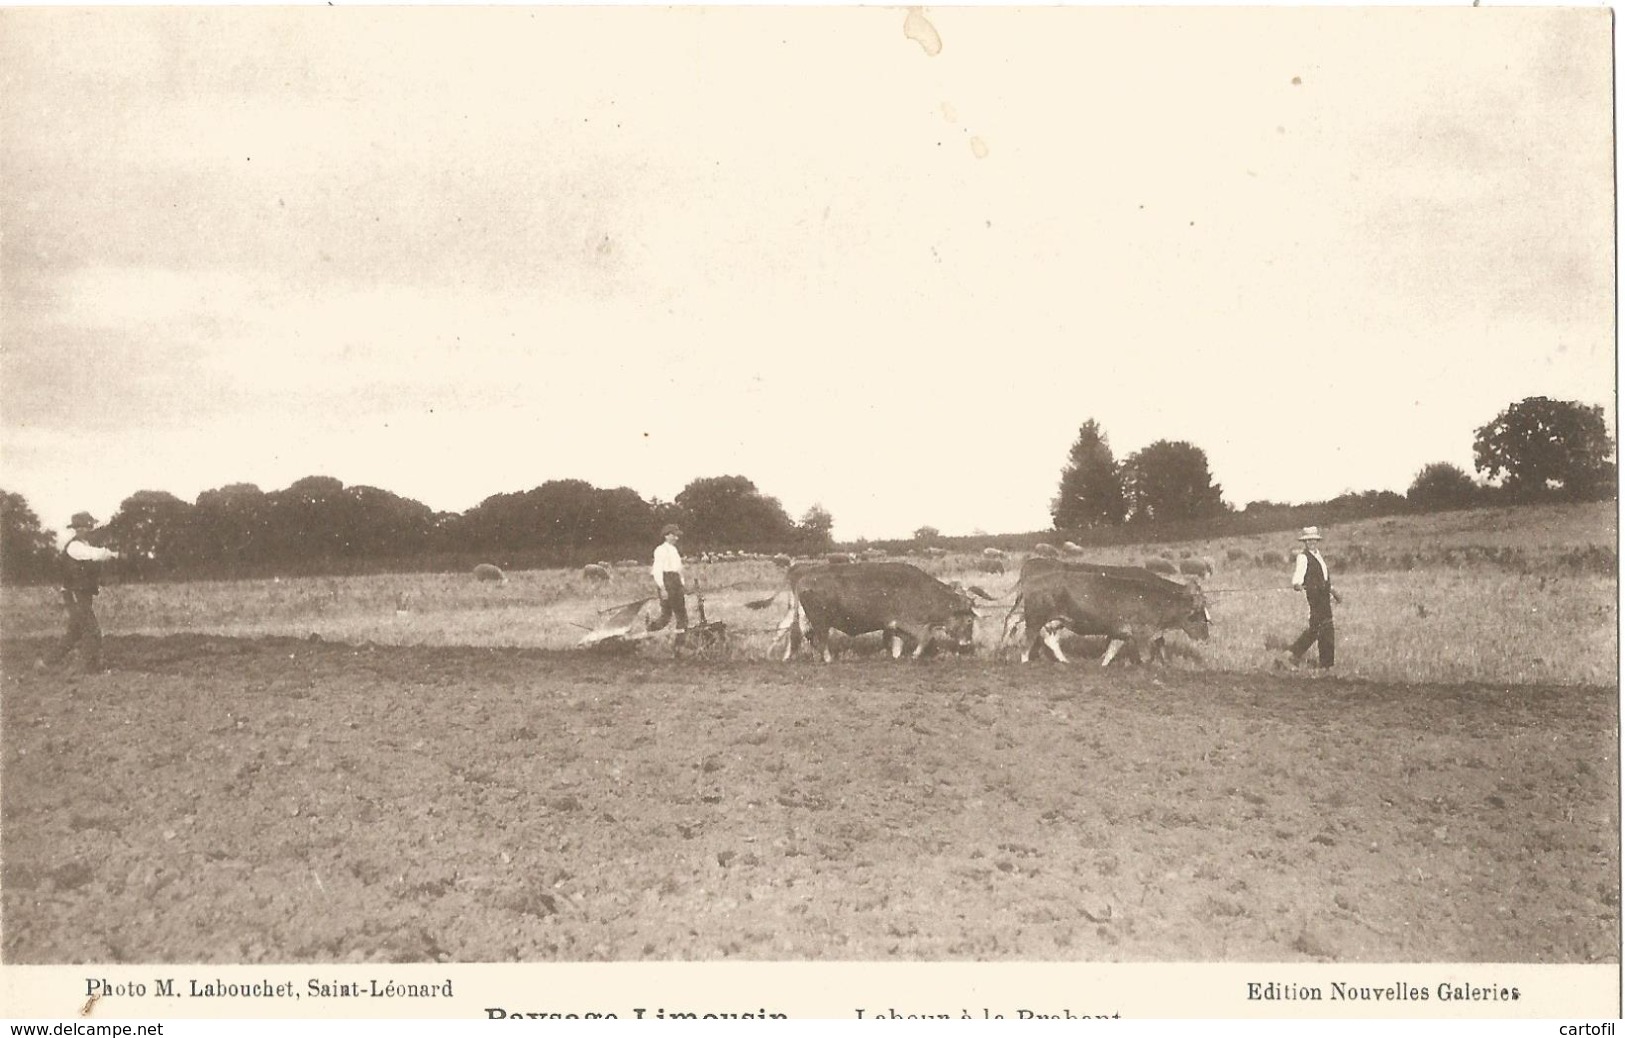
(1506, 595)
(437, 777)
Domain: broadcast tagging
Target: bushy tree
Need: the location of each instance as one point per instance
(729, 512)
(816, 529)
(27, 551)
(566, 512)
(567, 519)
(661, 513)
(927, 534)
(230, 524)
(378, 524)
(1539, 446)
(303, 521)
(1091, 488)
(1441, 485)
(623, 521)
(1169, 480)
(151, 526)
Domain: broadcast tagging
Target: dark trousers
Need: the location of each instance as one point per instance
(673, 606)
(83, 630)
(1320, 630)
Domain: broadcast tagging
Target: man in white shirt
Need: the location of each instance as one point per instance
(80, 565)
(668, 576)
(1311, 575)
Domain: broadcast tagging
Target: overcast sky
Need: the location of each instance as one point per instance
(460, 252)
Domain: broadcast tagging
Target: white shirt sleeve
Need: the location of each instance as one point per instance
(1300, 569)
(82, 552)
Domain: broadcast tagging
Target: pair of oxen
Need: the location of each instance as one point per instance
(915, 612)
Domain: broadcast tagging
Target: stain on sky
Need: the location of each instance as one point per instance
(917, 27)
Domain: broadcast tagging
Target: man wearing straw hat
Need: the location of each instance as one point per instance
(1311, 576)
(81, 562)
(668, 576)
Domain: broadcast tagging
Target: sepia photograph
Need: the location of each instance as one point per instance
(831, 487)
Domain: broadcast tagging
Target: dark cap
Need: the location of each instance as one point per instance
(82, 521)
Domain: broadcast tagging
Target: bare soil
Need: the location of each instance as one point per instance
(275, 800)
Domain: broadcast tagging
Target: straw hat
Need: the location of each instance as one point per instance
(1310, 533)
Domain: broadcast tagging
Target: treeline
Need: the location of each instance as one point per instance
(318, 525)
(1258, 517)
(1535, 450)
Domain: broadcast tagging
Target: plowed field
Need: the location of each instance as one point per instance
(279, 800)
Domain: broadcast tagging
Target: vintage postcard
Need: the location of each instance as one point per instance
(808, 512)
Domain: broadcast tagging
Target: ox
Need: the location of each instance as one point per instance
(595, 572)
(902, 601)
(1126, 604)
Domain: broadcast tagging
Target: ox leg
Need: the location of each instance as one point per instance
(820, 641)
(921, 642)
(1052, 639)
(909, 637)
(1111, 651)
(893, 642)
(1035, 634)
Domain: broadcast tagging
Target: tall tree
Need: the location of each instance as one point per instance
(1539, 446)
(816, 528)
(27, 550)
(1169, 480)
(1091, 490)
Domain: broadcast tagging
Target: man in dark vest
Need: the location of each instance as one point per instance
(1311, 576)
(81, 580)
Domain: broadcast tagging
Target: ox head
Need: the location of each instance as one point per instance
(1198, 620)
(961, 626)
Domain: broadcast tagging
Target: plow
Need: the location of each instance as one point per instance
(623, 627)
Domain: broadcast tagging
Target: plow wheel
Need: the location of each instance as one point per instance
(708, 640)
